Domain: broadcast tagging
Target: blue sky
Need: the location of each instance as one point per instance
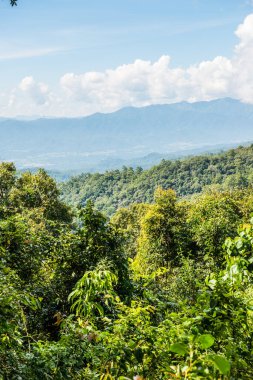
(49, 39)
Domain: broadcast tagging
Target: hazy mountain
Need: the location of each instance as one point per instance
(111, 140)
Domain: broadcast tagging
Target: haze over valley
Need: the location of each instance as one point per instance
(130, 136)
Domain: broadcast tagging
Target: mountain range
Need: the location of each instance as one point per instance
(130, 136)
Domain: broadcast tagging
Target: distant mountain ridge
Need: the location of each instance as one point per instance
(128, 134)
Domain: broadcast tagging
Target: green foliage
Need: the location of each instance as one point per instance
(161, 291)
(162, 228)
(39, 191)
(204, 340)
(95, 242)
(25, 243)
(120, 188)
(212, 217)
(92, 292)
(128, 220)
(14, 335)
(7, 181)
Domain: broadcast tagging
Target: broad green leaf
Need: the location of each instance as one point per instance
(221, 363)
(179, 348)
(205, 340)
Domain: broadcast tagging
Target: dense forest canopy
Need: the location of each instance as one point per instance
(128, 275)
(161, 290)
(119, 188)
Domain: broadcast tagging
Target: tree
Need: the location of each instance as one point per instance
(163, 233)
(212, 217)
(94, 244)
(13, 323)
(39, 191)
(7, 181)
(129, 222)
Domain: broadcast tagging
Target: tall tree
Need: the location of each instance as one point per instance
(163, 235)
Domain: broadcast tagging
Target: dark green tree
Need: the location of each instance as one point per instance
(212, 217)
(95, 243)
(7, 181)
(163, 234)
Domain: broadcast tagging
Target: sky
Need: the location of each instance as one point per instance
(72, 58)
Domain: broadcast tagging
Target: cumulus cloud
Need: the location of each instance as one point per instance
(37, 91)
(242, 63)
(144, 82)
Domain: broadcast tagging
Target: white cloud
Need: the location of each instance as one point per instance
(28, 53)
(245, 32)
(144, 82)
(38, 92)
(243, 78)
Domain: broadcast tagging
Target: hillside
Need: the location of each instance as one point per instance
(107, 141)
(152, 289)
(119, 188)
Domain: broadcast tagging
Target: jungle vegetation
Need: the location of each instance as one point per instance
(161, 290)
(119, 188)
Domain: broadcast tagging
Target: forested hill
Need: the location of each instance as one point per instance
(119, 188)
